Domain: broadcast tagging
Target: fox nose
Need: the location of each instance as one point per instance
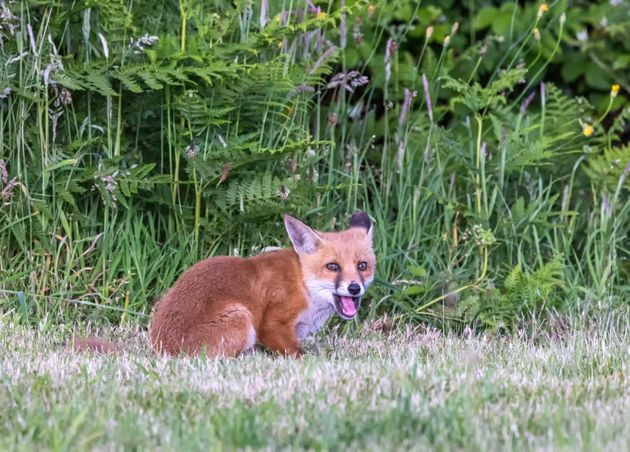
(354, 288)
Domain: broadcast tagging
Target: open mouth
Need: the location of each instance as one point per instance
(347, 307)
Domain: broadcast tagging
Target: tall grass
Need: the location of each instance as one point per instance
(140, 137)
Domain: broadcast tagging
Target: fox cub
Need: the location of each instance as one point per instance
(225, 305)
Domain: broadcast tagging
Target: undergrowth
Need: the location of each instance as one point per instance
(139, 137)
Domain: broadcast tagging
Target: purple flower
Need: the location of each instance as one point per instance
(348, 81)
(4, 174)
(311, 7)
(390, 49)
(406, 106)
(484, 151)
(527, 101)
(427, 96)
(264, 8)
(304, 89)
(31, 38)
(322, 59)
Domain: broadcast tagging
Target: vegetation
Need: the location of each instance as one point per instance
(394, 391)
(489, 144)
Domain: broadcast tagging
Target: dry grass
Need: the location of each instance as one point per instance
(405, 389)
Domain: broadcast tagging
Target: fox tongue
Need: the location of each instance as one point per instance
(347, 306)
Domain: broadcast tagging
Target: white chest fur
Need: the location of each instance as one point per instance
(320, 308)
(313, 318)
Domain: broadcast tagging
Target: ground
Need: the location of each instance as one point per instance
(397, 390)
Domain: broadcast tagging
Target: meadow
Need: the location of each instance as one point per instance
(488, 142)
(402, 389)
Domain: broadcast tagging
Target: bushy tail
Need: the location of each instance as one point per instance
(96, 345)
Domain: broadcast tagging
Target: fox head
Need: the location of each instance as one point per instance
(337, 267)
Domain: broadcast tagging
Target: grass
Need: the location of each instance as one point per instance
(397, 390)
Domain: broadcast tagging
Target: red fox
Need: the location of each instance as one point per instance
(224, 306)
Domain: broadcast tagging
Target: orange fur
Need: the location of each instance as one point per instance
(223, 305)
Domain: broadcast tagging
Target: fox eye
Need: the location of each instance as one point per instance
(332, 267)
(362, 266)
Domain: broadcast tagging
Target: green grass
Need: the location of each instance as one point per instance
(400, 390)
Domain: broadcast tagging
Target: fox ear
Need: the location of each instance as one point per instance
(304, 239)
(361, 220)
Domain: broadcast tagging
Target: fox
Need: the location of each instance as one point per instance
(224, 306)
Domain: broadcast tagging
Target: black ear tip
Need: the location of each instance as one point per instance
(360, 219)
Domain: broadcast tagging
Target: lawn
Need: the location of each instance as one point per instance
(368, 389)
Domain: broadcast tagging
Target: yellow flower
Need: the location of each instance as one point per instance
(371, 9)
(536, 33)
(542, 9)
(322, 15)
(587, 130)
(447, 40)
(614, 90)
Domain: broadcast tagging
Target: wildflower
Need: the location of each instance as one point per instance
(192, 150)
(427, 96)
(582, 35)
(429, 32)
(9, 22)
(604, 22)
(406, 106)
(615, 2)
(587, 130)
(390, 49)
(304, 89)
(563, 18)
(454, 28)
(614, 90)
(447, 40)
(4, 174)
(349, 81)
(293, 165)
(225, 173)
(527, 101)
(110, 182)
(356, 32)
(141, 43)
(536, 33)
(31, 38)
(283, 192)
(105, 46)
(322, 58)
(5, 93)
(264, 6)
(481, 236)
(371, 9)
(332, 119)
(321, 15)
(542, 9)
